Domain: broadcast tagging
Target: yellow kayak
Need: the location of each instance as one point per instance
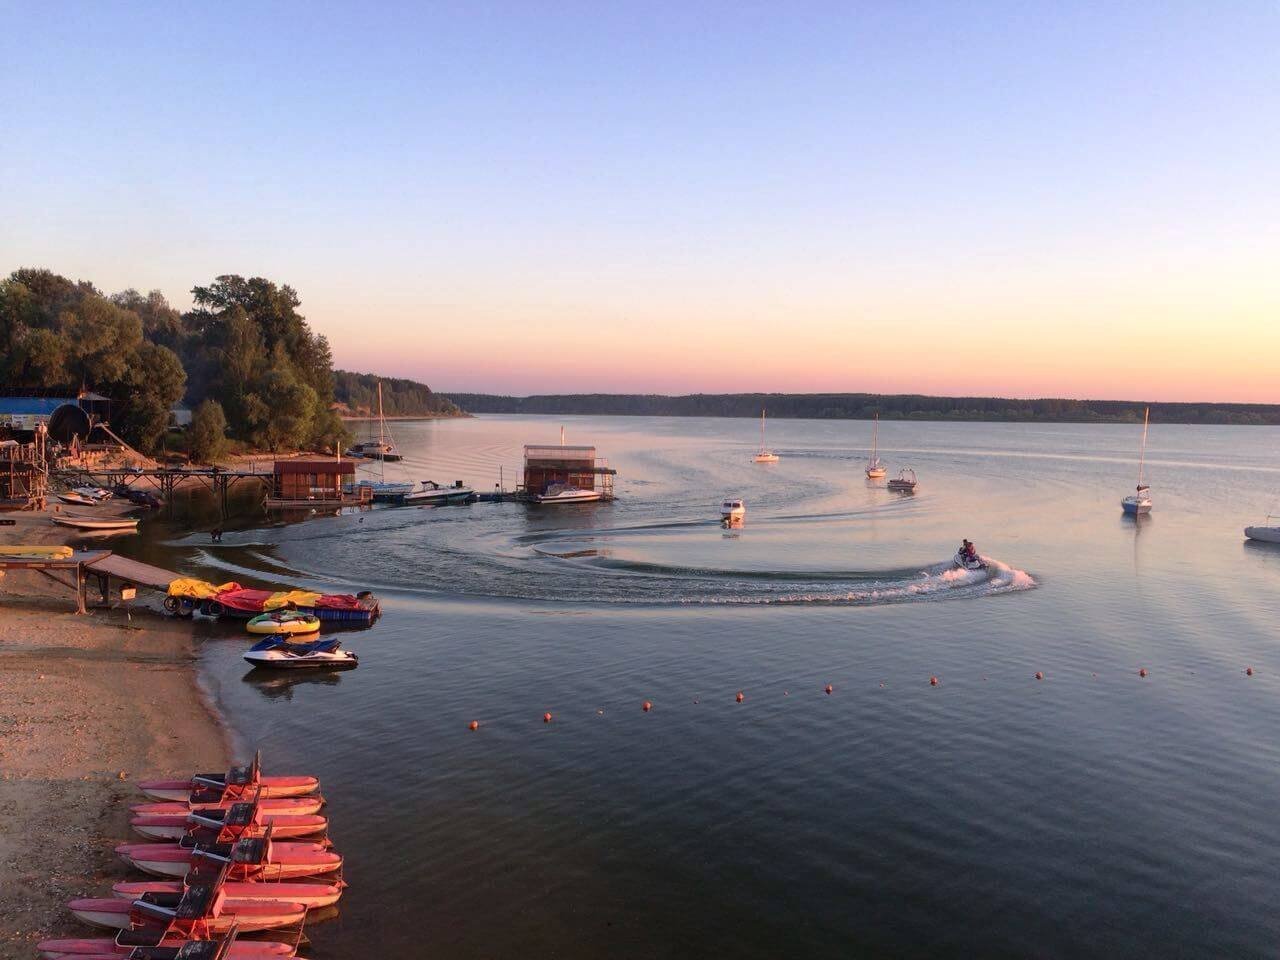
(44, 553)
(284, 621)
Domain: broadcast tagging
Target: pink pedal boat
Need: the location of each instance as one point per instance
(156, 945)
(297, 806)
(253, 858)
(238, 783)
(221, 825)
(115, 914)
(313, 896)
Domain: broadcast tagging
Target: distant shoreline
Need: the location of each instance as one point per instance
(414, 416)
(865, 406)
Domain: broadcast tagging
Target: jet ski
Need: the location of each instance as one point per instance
(278, 653)
(968, 563)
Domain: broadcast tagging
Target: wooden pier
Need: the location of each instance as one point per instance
(76, 571)
(166, 479)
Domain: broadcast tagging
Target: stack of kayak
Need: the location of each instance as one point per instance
(293, 641)
(188, 595)
(237, 853)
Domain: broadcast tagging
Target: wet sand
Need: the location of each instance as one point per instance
(88, 704)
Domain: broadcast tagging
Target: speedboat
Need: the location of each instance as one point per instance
(432, 493)
(78, 499)
(243, 782)
(96, 494)
(733, 508)
(313, 896)
(559, 493)
(968, 563)
(297, 805)
(82, 522)
(153, 943)
(1265, 534)
(280, 653)
(254, 858)
(904, 482)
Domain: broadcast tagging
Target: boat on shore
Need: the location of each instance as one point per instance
(254, 858)
(297, 805)
(313, 896)
(78, 499)
(241, 782)
(96, 524)
(113, 913)
(155, 943)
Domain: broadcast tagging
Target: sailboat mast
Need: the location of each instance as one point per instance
(762, 429)
(382, 443)
(1142, 457)
(875, 439)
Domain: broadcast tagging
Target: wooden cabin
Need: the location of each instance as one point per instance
(312, 483)
(24, 474)
(566, 466)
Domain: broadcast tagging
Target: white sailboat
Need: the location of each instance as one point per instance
(765, 455)
(875, 469)
(382, 450)
(1138, 503)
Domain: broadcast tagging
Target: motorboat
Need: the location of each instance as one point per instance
(96, 494)
(733, 508)
(375, 450)
(433, 493)
(904, 482)
(286, 622)
(765, 455)
(253, 858)
(1264, 534)
(296, 805)
(313, 896)
(241, 782)
(560, 493)
(280, 653)
(875, 468)
(1138, 503)
(100, 524)
(78, 499)
(968, 563)
(156, 943)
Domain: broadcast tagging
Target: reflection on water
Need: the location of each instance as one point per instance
(1093, 813)
(280, 684)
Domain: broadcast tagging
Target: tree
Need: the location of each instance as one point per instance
(208, 432)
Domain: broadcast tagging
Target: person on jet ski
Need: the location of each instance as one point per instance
(969, 551)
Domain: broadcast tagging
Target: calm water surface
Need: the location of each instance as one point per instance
(1092, 813)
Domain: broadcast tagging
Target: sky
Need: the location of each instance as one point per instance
(1017, 199)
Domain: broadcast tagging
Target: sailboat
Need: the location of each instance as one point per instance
(875, 469)
(765, 455)
(1138, 503)
(382, 450)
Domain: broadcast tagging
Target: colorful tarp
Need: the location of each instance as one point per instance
(198, 589)
(44, 553)
(298, 598)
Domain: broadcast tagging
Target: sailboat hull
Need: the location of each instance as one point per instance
(1134, 507)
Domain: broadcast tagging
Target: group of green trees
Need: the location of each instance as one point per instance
(243, 355)
(358, 392)
(863, 406)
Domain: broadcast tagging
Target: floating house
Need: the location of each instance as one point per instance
(566, 468)
(314, 484)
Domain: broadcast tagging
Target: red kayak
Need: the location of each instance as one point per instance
(238, 783)
(297, 806)
(313, 896)
(256, 858)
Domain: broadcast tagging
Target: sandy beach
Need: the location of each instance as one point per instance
(88, 705)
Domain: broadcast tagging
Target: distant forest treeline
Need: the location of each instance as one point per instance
(358, 392)
(863, 406)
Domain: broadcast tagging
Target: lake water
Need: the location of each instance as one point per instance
(1094, 813)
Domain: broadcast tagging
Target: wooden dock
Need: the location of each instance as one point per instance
(74, 572)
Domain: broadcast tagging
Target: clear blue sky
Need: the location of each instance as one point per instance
(946, 197)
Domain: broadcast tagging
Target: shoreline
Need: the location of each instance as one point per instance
(90, 705)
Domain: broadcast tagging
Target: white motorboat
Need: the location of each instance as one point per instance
(733, 508)
(1264, 533)
(433, 493)
(904, 482)
(875, 469)
(1138, 503)
(96, 494)
(78, 499)
(559, 493)
(81, 522)
(765, 455)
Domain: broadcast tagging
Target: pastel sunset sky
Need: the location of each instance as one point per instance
(1022, 199)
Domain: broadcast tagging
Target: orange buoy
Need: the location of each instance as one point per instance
(1248, 671)
(1142, 671)
(828, 688)
(933, 681)
(546, 718)
(740, 697)
(1039, 675)
(646, 706)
